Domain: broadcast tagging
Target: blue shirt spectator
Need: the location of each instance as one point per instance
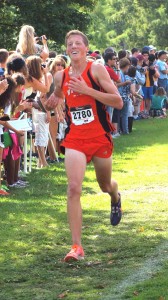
(162, 66)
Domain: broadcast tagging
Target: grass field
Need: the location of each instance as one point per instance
(126, 262)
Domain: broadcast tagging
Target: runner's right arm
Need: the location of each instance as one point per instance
(57, 96)
(56, 100)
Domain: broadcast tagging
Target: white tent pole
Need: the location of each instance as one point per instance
(30, 156)
(25, 147)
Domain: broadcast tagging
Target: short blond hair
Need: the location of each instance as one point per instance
(77, 32)
(124, 62)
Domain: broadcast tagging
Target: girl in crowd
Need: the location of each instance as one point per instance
(5, 106)
(159, 102)
(41, 118)
(58, 64)
(15, 64)
(131, 75)
(28, 43)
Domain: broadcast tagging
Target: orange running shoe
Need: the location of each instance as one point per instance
(76, 253)
(4, 193)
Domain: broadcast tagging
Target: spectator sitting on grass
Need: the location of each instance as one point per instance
(159, 101)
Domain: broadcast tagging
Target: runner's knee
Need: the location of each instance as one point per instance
(74, 189)
(108, 187)
(105, 187)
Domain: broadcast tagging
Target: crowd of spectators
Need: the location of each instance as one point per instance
(27, 81)
(139, 74)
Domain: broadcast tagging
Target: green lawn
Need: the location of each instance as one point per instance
(126, 262)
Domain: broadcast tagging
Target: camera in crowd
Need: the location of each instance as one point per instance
(141, 70)
(40, 38)
(43, 65)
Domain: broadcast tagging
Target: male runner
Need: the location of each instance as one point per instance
(87, 89)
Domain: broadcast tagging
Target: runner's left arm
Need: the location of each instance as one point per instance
(110, 96)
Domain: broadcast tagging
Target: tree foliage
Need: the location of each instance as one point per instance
(129, 23)
(50, 17)
(118, 23)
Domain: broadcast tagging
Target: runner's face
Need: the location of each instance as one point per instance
(76, 48)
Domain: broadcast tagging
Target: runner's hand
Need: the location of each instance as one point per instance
(78, 85)
(52, 102)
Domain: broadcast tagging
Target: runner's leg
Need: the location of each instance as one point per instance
(75, 165)
(103, 169)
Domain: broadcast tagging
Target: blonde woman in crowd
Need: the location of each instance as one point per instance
(28, 43)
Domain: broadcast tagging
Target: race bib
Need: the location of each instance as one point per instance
(82, 115)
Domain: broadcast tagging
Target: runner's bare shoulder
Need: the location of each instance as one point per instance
(98, 71)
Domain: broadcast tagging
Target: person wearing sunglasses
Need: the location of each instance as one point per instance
(58, 64)
(111, 67)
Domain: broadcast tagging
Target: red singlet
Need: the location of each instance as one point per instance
(86, 117)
